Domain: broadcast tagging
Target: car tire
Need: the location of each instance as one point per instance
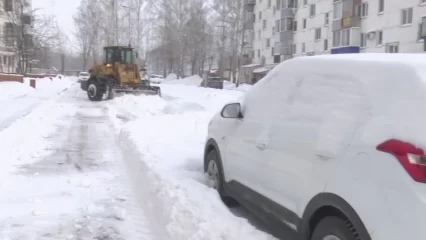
(334, 228)
(214, 172)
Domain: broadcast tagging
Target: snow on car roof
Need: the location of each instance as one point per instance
(406, 58)
(385, 91)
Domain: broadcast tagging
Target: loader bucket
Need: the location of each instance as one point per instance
(145, 90)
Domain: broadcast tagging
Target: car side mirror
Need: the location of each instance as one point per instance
(232, 110)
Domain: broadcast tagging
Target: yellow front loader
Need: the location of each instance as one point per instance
(117, 74)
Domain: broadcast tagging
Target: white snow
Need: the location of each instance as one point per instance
(17, 99)
(164, 140)
(189, 81)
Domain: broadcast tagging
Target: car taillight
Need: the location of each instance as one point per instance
(413, 159)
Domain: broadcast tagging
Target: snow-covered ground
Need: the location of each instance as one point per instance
(130, 168)
(17, 99)
(164, 140)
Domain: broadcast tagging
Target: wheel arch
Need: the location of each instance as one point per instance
(330, 204)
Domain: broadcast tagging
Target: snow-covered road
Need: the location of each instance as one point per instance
(130, 168)
(78, 191)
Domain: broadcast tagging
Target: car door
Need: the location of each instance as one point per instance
(245, 164)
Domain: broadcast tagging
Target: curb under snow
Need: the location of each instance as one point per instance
(189, 210)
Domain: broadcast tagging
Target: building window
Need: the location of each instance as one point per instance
(346, 37)
(325, 45)
(260, 15)
(326, 19)
(362, 10)
(305, 2)
(264, 24)
(406, 16)
(278, 4)
(295, 25)
(289, 4)
(422, 1)
(286, 24)
(8, 5)
(420, 32)
(304, 23)
(317, 33)
(293, 48)
(363, 40)
(312, 10)
(303, 47)
(382, 5)
(259, 35)
(337, 10)
(258, 53)
(277, 59)
(379, 37)
(336, 39)
(269, 3)
(268, 42)
(392, 47)
(9, 33)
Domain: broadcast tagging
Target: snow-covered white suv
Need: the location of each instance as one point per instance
(328, 147)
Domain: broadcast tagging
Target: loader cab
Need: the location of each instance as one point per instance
(118, 54)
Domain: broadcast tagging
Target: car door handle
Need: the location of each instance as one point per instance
(261, 146)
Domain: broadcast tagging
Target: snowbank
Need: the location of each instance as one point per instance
(194, 80)
(10, 90)
(164, 141)
(18, 99)
(24, 140)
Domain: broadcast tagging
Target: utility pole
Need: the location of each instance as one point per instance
(130, 23)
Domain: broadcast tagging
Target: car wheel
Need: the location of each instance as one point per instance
(214, 171)
(334, 228)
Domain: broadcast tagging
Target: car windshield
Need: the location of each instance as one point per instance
(84, 74)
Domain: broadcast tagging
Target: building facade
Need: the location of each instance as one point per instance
(283, 29)
(14, 15)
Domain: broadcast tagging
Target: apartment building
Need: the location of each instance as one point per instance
(12, 16)
(283, 29)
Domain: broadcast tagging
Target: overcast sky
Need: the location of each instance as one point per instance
(62, 9)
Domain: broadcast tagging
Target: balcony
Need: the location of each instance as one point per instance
(282, 49)
(249, 5)
(249, 2)
(249, 19)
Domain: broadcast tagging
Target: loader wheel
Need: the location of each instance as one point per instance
(93, 92)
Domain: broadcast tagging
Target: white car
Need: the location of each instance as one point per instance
(328, 147)
(83, 76)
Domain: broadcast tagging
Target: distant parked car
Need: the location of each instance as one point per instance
(83, 76)
(155, 78)
(328, 147)
(212, 82)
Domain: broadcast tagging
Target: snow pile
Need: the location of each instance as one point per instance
(194, 80)
(171, 76)
(22, 142)
(18, 99)
(228, 85)
(244, 87)
(47, 86)
(164, 143)
(10, 90)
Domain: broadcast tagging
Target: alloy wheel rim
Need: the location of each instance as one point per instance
(213, 174)
(331, 237)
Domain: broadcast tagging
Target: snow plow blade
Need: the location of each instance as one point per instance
(149, 90)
